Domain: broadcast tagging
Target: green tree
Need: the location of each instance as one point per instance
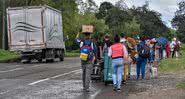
(170, 33)
(116, 20)
(149, 20)
(132, 28)
(178, 21)
(104, 9)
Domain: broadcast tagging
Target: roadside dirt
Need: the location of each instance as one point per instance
(162, 88)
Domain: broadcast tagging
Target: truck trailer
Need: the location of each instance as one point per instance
(36, 33)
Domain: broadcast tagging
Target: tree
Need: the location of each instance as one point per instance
(116, 20)
(149, 20)
(92, 7)
(178, 21)
(132, 28)
(104, 9)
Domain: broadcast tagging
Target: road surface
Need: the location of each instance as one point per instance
(58, 80)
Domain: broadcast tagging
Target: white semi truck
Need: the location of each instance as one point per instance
(36, 32)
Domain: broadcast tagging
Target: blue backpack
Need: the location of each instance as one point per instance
(86, 51)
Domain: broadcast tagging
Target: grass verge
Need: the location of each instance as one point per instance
(181, 84)
(8, 56)
(74, 53)
(174, 66)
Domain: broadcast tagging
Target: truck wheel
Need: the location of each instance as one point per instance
(40, 60)
(26, 61)
(49, 60)
(62, 56)
(50, 55)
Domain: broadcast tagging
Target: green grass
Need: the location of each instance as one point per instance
(8, 56)
(181, 85)
(74, 53)
(173, 65)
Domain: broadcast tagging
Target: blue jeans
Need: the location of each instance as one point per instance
(117, 71)
(141, 64)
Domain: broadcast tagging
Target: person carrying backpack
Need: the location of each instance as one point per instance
(143, 55)
(87, 55)
(118, 52)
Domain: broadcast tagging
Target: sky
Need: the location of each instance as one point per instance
(166, 7)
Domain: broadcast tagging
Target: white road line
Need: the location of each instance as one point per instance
(17, 65)
(11, 70)
(42, 80)
(33, 83)
(93, 96)
(38, 65)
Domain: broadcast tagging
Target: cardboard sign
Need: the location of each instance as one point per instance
(87, 28)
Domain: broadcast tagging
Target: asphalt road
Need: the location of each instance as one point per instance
(58, 80)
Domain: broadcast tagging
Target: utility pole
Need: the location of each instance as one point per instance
(3, 33)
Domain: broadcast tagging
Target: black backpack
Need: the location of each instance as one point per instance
(144, 51)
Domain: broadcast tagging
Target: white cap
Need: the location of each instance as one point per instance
(122, 40)
(174, 39)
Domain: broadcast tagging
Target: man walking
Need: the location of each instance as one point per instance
(88, 51)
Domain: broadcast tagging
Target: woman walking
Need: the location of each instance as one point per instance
(118, 52)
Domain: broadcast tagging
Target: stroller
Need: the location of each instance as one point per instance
(97, 73)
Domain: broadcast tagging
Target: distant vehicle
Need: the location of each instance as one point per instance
(36, 32)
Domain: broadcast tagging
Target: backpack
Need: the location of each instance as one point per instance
(144, 51)
(86, 51)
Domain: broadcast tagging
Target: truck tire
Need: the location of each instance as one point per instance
(40, 60)
(49, 60)
(27, 61)
(50, 55)
(62, 56)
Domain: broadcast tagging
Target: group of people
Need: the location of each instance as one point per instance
(124, 52)
(169, 50)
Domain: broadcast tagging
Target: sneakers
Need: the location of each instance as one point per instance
(115, 89)
(118, 90)
(87, 90)
(124, 82)
(128, 76)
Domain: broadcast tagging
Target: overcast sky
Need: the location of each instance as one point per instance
(165, 7)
